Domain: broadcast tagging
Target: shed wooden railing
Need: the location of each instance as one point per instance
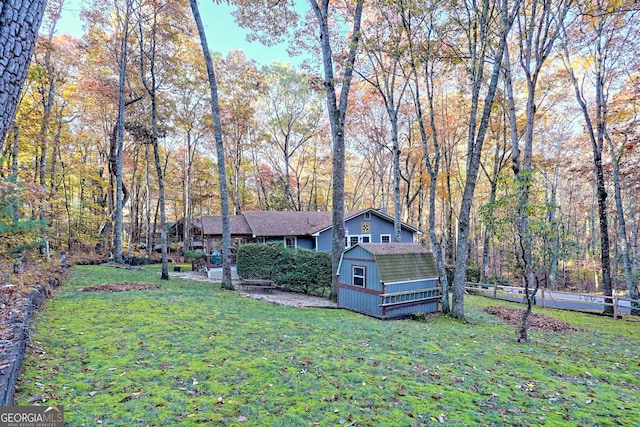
(409, 297)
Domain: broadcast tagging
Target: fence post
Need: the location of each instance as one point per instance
(615, 307)
(495, 290)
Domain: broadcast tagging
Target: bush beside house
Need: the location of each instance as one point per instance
(296, 270)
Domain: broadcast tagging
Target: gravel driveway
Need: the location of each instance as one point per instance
(277, 297)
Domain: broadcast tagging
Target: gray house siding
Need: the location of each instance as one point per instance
(306, 243)
(377, 228)
(324, 240)
(302, 242)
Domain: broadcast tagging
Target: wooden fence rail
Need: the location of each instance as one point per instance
(544, 295)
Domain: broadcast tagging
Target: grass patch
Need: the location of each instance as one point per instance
(192, 354)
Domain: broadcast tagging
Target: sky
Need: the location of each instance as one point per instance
(223, 34)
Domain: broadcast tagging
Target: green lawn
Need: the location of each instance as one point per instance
(192, 354)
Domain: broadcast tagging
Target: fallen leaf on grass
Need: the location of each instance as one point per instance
(35, 398)
(120, 287)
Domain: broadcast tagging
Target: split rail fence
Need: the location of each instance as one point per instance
(564, 301)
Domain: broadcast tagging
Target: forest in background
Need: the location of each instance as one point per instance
(550, 186)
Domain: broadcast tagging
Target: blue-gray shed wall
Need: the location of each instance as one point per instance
(357, 300)
(360, 257)
(368, 300)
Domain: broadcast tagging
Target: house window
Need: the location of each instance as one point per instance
(385, 238)
(367, 215)
(366, 238)
(290, 242)
(353, 240)
(358, 276)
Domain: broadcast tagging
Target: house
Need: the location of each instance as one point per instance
(175, 233)
(305, 229)
(388, 280)
(175, 236)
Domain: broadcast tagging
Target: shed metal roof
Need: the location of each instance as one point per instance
(400, 262)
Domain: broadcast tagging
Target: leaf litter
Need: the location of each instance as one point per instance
(121, 287)
(539, 322)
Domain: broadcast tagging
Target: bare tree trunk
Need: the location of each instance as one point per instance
(47, 107)
(122, 76)
(477, 129)
(555, 237)
(19, 25)
(161, 199)
(190, 154)
(149, 234)
(151, 87)
(538, 28)
(629, 278)
(14, 169)
(337, 114)
(222, 175)
(432, 161)
(597, 139)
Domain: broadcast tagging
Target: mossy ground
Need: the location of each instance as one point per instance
(192, 354)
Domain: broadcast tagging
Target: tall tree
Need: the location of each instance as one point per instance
(47, 92)
(191, 103)
(292, 120)
(538, 27)
(384, 40)
(424, 60)
(150, 82)
(241, 80)
(19, 25)
(273, 20)
(124, 18)
(337, 108)
(478, 21)
(222, 174)
(599, 34)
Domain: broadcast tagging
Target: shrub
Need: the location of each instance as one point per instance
(198, 259)
(473, 273)
(297, 270)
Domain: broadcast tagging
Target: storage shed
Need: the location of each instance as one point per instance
(388, 280)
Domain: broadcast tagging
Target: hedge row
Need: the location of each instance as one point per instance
(296, 270)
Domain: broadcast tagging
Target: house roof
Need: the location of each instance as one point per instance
(399, 262)
(350, 215)
(284, 223)
(290, 223)
(212, 225)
